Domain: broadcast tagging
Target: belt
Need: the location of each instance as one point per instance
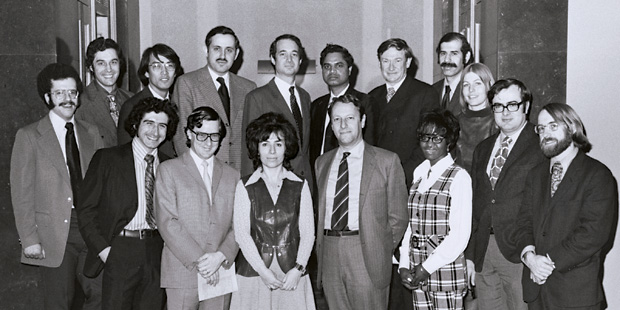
(340, 233)
(141, 234)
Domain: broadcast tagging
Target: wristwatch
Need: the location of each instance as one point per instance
(300, 268)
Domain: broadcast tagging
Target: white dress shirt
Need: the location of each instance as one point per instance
(283, 87)
(139, 152)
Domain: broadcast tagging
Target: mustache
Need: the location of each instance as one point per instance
(221, 59)
(67, 104)
(545, 140)
(448, 64)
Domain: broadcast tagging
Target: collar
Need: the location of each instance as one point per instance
(215, 75)
(357, 152)
(258, 174)
(455, 83)
(154, 93)
(344, 91)
(439, 167)
(565, 158)
(198, 161)
(514, 136)
(282, 85)
(397, 85)
(139, 150)
(58, 122)
(105, 91)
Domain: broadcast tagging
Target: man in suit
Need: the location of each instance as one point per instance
(216, 87)
(362, 213)
(116, 215)
(399, 104)
(500, 165)
(336, 64)
(159, 67)
(194, 208)
(566, 217)
(101, 100)
(46, 172)
(453, 54)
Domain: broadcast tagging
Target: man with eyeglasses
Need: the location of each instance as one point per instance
(102, 99)
(500, 165)
(194, 200)
(217, 87)
(159, 67)
(116, 211)
(566, 218)
(48, 163)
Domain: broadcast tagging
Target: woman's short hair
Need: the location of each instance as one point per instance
(443, 123)
(261, 128)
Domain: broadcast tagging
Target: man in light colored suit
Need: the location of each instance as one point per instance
(281, 95)
(102, 99)
(204, 87)
(194, 208)
(362, 213)
(453, 54)
(48, 163)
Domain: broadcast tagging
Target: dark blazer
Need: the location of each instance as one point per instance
(41, 190)
(571, 227)
(382, 210)
(265, 99)
(454, 105)
(318, 111)
(396, 122)
(108, 201)
(499, 208)
(124, 137)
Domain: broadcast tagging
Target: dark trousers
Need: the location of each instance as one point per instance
(400, 297)
(131, 275)
(59, 284)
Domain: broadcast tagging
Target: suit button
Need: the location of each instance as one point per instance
(279, 254)
(492, 200)
(417, 214)
(69, 199)
(302, 173)
(417, 231)
(544, 234)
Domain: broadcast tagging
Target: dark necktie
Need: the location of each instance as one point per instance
(446, 98)
(498, 161)
(297, 115)
(149, 182)
(114, 110)
(329, 139)
(73, 160)
(340, 212)
(223, 92)
(556, 176)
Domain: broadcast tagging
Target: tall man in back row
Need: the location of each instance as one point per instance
(566, 217)
(453, 54)
(216, 87)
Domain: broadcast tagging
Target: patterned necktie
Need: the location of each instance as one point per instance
(297, 115)
(223, 92)
(340, 210)
(390, 93)
(113, 109)
(206, 177)
(446, 98)
(149, 182)
(556, 176)
(73, 160)
(499, 160)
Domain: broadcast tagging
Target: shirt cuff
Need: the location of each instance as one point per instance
(529, 248)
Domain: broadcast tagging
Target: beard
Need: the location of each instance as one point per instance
(560, 146)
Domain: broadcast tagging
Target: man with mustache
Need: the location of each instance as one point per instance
(453, 54)
(336, 65)
(216, 87)
(48, 163)
(499, 167)
(566, 218)
(102, 99)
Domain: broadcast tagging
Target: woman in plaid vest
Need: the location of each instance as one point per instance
(432, 262)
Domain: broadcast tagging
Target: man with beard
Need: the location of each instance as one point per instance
(159, 67)
(216, 87)
(336, 64)
(499, 167)
(566, 217)
(48, 162)
(453, 54)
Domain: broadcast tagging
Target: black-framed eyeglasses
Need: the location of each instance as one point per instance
(61, 94)
(510, 106)
(435, 138)
(201, 136)
(158, 66)
(540, 129)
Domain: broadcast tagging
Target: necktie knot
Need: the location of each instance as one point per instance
(390, 93)
(221, 81)
(345, 155)
(506, 141)
(69, 127)
(149, 158)
(292, 90)
(111, 98)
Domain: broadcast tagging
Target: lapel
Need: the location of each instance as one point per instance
(280, 103)
(192, 170)
(86, 145)
(210, 91)
(322, 177)
(217, 175)
(50, 145)
(455, 101)
(99, 103)
(236, 96)
(517, 150)
(486, 156)
(572, 176)
(127, 176)
(368, 167)
(403, 95)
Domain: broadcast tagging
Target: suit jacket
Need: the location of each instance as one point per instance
(189, 223)
(382, 210)
(196, 89)
(108, 201)
(571, 227)
(499, 208)
(41, 188)
(268, 99)
(318, 111)
(396, 122)
(166, 147)
(454, 105)
(95, 109)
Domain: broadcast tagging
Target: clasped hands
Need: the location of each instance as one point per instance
(288, 283)
(540, 267)
(412, 279)
(208, 266)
